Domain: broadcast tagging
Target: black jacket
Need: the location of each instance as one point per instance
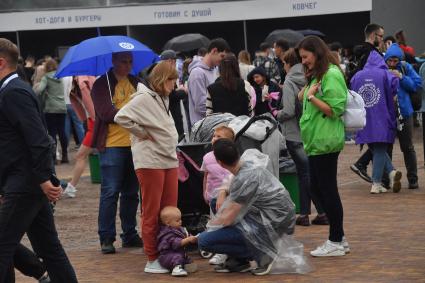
(26, 158)
(360, 56)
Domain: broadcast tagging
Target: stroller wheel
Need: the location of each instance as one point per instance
(205, 254)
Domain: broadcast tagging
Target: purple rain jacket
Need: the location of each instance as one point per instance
(377, 86)
(171, 253)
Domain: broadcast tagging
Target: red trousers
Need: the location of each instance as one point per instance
(159, 188)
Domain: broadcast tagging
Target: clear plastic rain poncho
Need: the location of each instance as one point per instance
(203, 130)
(267, 216)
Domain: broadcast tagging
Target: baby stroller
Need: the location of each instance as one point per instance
(195, 212)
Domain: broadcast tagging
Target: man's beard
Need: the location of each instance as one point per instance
(376, 43)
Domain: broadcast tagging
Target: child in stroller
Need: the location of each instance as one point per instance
(214, 175)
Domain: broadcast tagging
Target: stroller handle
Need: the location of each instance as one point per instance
(254, 119)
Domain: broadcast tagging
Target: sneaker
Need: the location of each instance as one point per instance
(178, 271)
(218, 259)
(136, 242)
(107, 247)
(361, 172)
(377, 188)
(44, 279)
(345, 244)
(320, 220)
(70, 191)
(233, 265)
(413, 186)
(302, 220)
(328, 249)
(263, 269)
(155, 267)
(395, 184)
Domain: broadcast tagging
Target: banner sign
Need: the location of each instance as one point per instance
(176, 13)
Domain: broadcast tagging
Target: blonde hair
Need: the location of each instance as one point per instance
(228, 132)
(244, 57)
(51, 65)
(167, 213)
(162, 72)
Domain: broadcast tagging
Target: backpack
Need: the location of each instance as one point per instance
(416, 96)
(354, 116)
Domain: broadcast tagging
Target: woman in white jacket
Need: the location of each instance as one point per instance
(153, 144)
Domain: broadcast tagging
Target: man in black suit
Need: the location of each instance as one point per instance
(26, 169)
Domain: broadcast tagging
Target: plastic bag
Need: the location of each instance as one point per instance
(203, 130)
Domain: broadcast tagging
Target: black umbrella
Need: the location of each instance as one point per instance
(187, 42)
(291, 36)
(306, 32)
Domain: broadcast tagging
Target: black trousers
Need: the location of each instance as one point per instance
(323, 173)
(31, 214)
(28, 263)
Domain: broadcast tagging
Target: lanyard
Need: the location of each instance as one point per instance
(14, 76)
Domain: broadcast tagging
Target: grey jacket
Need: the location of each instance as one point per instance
(294, 81)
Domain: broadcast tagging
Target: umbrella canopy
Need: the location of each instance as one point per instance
(291, 36)
(94, 56)
(306, 32)
(187, 42)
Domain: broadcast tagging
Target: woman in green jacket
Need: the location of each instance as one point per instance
(322, 132)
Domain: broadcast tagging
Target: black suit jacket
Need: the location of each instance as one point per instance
(26, 158)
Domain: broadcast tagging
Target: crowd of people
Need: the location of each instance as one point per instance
(135, 122)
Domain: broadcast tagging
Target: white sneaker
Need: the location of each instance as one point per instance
(178, 271)
(345, 244)
(155, 267)
(377, 188)
(395, 184)
(218, 259)
(329, 249)
(70, 191)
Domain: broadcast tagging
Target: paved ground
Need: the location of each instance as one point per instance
(386, 234)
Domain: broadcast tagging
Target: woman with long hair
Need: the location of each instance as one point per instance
(229, 93)
(245, 65)
(289, 119)
(153, 144)
(322, 133)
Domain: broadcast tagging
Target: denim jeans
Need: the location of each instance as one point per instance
(296, 150)
(71, 117)
(118, 180)
(31, 214)
(227, 240)
(381, 161)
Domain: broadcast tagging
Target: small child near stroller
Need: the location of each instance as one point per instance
(172, 240)
(214, 175)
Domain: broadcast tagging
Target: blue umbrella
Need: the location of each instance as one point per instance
(93, 56)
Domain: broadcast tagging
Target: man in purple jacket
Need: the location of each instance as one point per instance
(116, 162)
(378, 87)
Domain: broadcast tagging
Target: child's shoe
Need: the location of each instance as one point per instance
(155, 267)
(178, 271)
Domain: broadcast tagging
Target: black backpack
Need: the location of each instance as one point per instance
(416, 96)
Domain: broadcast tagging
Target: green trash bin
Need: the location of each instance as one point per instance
(290, 181)
(94, 165)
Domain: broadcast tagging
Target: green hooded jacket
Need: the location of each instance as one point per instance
(321, 134)
(51, 94)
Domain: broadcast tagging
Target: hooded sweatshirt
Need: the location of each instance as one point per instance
(52, 92)
(409, 82)
(294, 81)
(200, 77)
(147, 114)
(377, 86)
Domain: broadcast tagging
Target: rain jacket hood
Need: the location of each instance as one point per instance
(394, 51)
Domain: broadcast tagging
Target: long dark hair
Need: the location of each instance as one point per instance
(322, 54)
(229, 72)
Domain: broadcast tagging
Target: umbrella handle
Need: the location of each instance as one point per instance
(109, 87)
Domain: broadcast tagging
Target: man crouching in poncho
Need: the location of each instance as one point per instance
(255, 220)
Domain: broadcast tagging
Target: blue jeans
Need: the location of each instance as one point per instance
(296, 150)
(118, 180)
(381, 161)
(227, 240)
(71, 117)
